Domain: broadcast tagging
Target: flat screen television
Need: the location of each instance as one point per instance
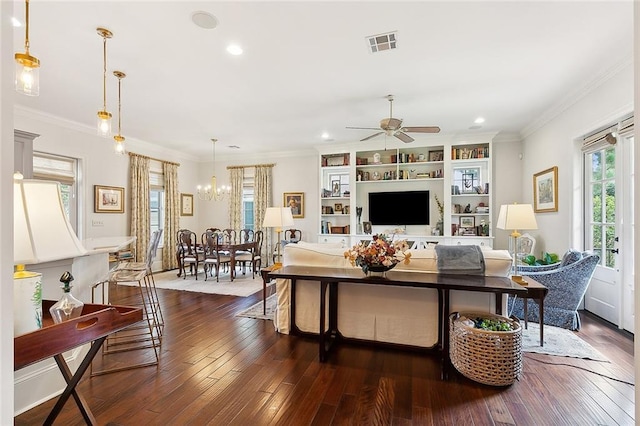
(399, 208)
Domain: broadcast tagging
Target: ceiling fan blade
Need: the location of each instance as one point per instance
(403, 136)
(422, 129)
(363, 128)
(372, 136)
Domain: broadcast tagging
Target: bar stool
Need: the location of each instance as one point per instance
(145, 335)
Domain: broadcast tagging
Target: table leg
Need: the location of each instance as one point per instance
(292, 321)
(444, 325)
(322, 353)
(541, 316)
(232, 263)
(525, 303)
(72, 382)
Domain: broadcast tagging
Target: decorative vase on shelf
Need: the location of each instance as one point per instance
(440, 227)
(68, 307)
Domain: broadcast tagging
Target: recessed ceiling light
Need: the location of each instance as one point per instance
(204, 20)
(324, 135)
(479, 120)
(16, 22)
(234, 49)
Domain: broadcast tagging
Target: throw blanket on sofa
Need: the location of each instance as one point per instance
(459, 259)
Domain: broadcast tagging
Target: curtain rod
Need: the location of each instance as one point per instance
(151, 158)
(251, 165)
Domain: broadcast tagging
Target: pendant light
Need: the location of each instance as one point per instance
(104, 116)
(119, 139)
(27, 78)
(211, 192)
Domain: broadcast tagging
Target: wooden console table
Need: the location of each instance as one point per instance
(329, 278)
(94, 325)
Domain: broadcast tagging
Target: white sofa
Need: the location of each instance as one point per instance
(401, 315)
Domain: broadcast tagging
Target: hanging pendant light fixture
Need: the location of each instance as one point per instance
(119, 139)
(27, 78)
(104, 117)
(211, 192)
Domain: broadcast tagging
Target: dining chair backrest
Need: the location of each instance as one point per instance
(258, 237)
(229, 235)
(152, 250)
(213, 230)
(209, 242)
(187, 242)
(293, 235)
(246, 235)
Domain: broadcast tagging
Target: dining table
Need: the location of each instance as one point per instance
(231, 248)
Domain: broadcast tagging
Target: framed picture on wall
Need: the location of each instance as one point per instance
(186, 204)
(545, 191)
(108, 199)
(295, 200)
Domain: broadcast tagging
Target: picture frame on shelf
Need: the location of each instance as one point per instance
(108, 199)
(295, 200)
(366, 227)
(545, 190)
(335, 188)
(338, 207)
(436, 155)
(186, 204)
(467, 221)
(346, 210)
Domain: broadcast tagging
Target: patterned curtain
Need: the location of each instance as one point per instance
(140, 211)
(262, 200)
(235, 208)
(171, 215)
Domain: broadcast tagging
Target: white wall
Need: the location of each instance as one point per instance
(507, 182)
(555, 144)
(293, 172)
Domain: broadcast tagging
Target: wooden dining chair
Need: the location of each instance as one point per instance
(252, 256)
(190, 253)
(213, 257)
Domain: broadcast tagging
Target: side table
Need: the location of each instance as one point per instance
(537, 292)
(94, 325)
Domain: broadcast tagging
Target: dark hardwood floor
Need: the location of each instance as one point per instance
(218, 369)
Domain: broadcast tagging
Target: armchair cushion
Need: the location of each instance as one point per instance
(570, 257)
(567, 286)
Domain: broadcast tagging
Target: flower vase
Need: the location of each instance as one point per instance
(440, 227)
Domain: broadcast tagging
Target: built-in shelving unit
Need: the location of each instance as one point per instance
(458, 173)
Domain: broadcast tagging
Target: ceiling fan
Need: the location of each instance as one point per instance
(393, 127)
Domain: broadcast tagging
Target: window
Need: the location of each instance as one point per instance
(64, 170)
(156, 196)
(247, 199)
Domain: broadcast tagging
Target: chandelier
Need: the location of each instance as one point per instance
(27, 67)
(104, 116)
(119, 139)
(211, 192)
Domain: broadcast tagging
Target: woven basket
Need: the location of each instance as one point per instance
(488, 357)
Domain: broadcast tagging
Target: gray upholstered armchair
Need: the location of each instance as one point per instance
(567, 283)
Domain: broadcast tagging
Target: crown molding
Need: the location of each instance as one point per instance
(574, 96)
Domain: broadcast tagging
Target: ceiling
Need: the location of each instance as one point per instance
(306, 68)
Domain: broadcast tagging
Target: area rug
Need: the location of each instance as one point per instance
(559, 342)
(256, 311)
(242, 285)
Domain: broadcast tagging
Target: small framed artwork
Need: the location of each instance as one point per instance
(545, 191)
(186, 204)
(366, 226)
(295, 200)
(346, 210)
(436, 155)
(338, 207)
(335, 188)
(467, 222)
(108, 199)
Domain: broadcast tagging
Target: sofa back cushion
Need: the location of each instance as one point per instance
(571, 256)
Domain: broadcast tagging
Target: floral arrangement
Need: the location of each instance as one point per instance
(380, 252)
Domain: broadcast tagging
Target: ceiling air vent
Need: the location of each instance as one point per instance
(380, 42)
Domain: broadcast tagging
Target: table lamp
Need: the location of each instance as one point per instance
(277, 217)
(41, 233)
(514, 217)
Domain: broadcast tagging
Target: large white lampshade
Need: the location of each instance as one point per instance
(278, 217)
(41, 233)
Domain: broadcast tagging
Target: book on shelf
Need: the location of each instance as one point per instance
(469, 153)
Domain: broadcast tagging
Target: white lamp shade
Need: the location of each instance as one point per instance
(277, 217)
(42, 232)
(516, 217)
